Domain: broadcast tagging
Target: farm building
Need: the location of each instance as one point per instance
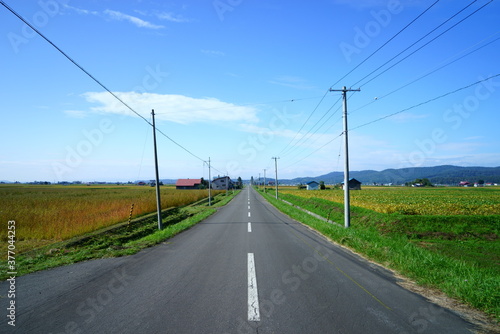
(188, 184)
(222, 183)
(313, 185)
(353, 184)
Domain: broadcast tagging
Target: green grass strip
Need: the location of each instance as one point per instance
(465, 281)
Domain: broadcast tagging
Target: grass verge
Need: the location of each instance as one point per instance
(397, 242)
(118, 240)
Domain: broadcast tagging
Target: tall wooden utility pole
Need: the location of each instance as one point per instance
(264, 180)
(158, 200)
(276, 173)
(209, 183)
(347, 204)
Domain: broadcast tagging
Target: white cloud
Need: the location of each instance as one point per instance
(174, 108)
(267, 131)
(460, 147)
(76, 113)
(477, 159)
(213, 53)
(115, 15)
(172, 17)
(118, 16)
(292, 82)
(80, 10)
(406, 117)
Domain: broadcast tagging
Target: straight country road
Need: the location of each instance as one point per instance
(246, 269)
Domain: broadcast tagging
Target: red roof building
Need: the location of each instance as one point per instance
(188, 184)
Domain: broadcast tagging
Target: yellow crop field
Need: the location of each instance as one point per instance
(45, 214)
(416, 201)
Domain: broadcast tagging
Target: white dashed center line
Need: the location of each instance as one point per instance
(253, 296)
(249, 227)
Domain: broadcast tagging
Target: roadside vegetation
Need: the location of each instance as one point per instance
(416, 201)
(45, 214)
(455, 253)
(118, 239)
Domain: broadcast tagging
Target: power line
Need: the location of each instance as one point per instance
(309, 134)
(428, 101)
(395, 113)
(310, 115)
(421, 47)
(319, 148)
(436, 69)
(94, 78)
(72, 60)
(326, 131)
(387, 42)
(253, 104)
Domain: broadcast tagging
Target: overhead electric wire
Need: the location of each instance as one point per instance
(252, 104)
(315, 140)
(307, 156)
(435, 70)
(326, 131)
(71, 60)
(95, 79)
(283, 151)
(387, 42)
(420, 104)
(310, 115)
(428, 101)
(309, 134)
(421, 47)
(395, 113)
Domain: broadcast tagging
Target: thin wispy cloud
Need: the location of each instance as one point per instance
(171, 17)
(76, 113)
(213, 53)
(291, 82)
(407, 117)
(81, 10)
(115, 15)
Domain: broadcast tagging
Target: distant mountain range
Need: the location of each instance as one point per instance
(446, 174)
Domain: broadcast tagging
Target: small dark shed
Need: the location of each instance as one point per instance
(353, 184)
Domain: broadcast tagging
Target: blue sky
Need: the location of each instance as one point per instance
(244, 81)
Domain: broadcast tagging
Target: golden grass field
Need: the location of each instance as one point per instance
(49, 213)
(416, 201)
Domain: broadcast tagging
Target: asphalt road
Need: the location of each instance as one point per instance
(246, 269)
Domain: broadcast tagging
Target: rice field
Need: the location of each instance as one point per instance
(415, 201)
(45, 214)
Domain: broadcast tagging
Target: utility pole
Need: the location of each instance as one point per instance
(264, 181)
(227, 182)
(158, 200)
(209, 184)
(347, 205)
(276, 172)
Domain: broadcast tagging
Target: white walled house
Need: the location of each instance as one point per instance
(222, 183)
